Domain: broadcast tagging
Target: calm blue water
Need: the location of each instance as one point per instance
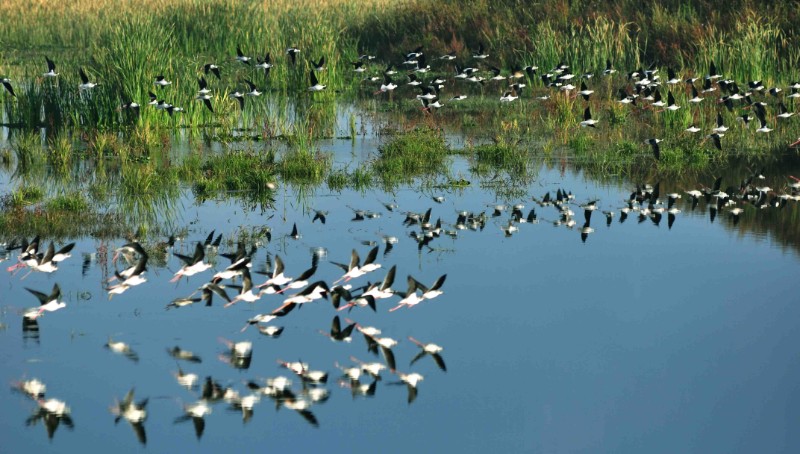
(642, 339)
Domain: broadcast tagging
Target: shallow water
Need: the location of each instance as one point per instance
(642, 339)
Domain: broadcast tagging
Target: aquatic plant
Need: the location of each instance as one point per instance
(419, 151)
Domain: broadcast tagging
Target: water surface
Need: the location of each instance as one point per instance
(644, 338)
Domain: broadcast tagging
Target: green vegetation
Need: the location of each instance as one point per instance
(246, 175)
(72, 151)
(418, 152)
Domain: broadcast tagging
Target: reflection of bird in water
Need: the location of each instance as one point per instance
(373, 369)
(186, 379)
(53, 412)
(133, 412)
(185, 355)
(33, 388)
(240, 354)
(121, 348)
(337, 334)
(245, 405)
(432, 350)
(196, 412)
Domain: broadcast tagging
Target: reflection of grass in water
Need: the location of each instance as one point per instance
(26, 211)
(61, 224)
(6, 159)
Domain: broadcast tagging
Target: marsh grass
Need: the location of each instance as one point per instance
(420, 151)
(60, 151)
(21, 197)
(303, 166)
(235, 171)
(502, 156)
(28, 149)
(73, 203)
(128, 43)
(360, 179)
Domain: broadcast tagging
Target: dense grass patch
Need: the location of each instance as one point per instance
(419, 151)
(234, 171)
(303, 166)
(73, 203)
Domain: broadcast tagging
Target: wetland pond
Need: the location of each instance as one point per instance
(659, 332)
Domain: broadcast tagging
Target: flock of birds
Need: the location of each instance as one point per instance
(234, 284)
(643, 86)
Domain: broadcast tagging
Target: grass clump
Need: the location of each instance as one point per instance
(420, 151)
(22, 197)
(73, 203)
(359, 179)
(59, 151)
(303, 166)
(236, 171)
(28, 149)
(502, 156)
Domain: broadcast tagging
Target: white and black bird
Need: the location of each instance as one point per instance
(253, 90)
(653, 142)
(318, 65)
(240, 56)
(671, 102)
(292, 53)
(51, 68)
(587, 119)
(211, 67)
(432, 350)
(265, 64)
(238, 96)
(315, 85)
(85, 83)
(481, 54)
(206, 98)
(715, 138)
(7, 83)
(762, 118)
(49, 303)
(585, 92)
(609, 69)
(202, 86)
(161, 81)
